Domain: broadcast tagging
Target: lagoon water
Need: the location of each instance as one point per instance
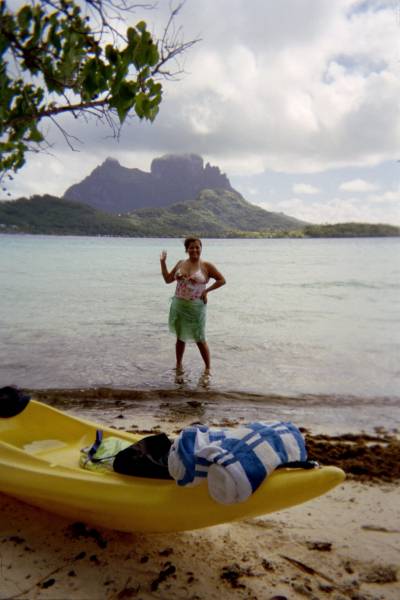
(296, 317)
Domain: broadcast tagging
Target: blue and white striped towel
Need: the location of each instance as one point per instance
(234, 461)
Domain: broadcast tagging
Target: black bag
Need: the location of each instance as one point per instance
(146, 458)
(12, 401)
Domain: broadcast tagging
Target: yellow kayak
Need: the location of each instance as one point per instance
(39, 464)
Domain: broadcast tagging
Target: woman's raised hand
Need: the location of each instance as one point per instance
(163, 256)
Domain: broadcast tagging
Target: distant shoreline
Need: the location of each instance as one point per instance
(213, 215)
(274, 236)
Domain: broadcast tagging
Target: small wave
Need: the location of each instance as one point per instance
(108, 396)
(350, 283)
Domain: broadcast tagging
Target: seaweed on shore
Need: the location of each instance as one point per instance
(362, 457)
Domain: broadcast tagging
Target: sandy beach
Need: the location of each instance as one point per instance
(344, 545)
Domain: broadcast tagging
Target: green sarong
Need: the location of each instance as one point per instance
(187, 319)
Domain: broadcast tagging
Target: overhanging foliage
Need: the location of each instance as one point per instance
(55, 58)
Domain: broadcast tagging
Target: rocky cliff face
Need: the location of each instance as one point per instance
(172, 178)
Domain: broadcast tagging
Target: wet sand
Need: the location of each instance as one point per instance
(343, 545)
(183, 404)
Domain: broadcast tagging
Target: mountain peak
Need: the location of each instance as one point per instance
(111, 162)
(169, 163)
(173, 178)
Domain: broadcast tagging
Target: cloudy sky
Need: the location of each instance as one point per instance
(297, 101)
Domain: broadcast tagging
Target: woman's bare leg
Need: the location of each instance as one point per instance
(205, 354)
(179, 349)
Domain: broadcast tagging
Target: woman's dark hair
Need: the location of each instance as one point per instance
(190, 240)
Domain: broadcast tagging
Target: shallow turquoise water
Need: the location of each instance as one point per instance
(296, 316)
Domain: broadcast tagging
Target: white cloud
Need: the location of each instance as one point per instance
(304, 188)
(339, 210)
(358, 185)
(328, 98)
(388, 198)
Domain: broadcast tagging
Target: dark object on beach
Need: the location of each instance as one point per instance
(48, 583)
(79, 529)
(232, 573)
(146, 458)
(320, 546)
(380, 574)
(12, 401)
(169, 570)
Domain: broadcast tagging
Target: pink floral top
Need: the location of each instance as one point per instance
(190, 287)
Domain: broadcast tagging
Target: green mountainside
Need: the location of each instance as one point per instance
(215, 213)
(218, 213)
(53, 216)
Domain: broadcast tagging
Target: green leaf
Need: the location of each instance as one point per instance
(24, 17)
(153, 55)
(90, 86)
(35, 135)
(132, 36)
(125, 99)
(141, 105)
(111, 54)
(141, 26)
(122, 110)
(153, 112)
(53, 38)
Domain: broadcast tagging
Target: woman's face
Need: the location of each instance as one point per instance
(194, 250)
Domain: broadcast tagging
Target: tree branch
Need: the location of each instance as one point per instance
(57, 110)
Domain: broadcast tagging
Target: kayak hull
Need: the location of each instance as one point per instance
(39, 464)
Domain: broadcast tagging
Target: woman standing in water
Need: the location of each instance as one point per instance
(187, 316)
